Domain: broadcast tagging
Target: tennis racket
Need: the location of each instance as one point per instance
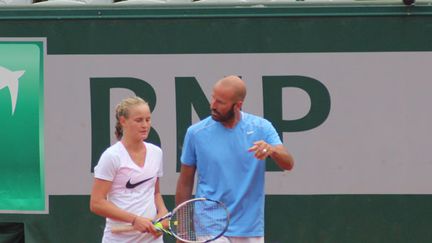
(195, 220)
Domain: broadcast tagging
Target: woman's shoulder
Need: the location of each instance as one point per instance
(153, 147)
(115, 148)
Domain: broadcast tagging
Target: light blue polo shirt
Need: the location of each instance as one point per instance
(227, 172)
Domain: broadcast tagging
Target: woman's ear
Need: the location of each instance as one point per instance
(122, 120)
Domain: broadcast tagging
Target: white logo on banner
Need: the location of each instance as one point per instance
(9, 79)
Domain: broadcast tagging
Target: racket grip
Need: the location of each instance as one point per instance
(158, 226)
(122, 228)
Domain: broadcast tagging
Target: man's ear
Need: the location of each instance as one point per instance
(239, 105)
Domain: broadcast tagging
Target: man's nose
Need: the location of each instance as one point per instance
(212, 104)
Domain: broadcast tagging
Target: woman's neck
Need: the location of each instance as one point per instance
(133, 145)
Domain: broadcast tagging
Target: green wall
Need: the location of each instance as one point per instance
(223, 30)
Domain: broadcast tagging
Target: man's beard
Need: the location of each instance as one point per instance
(223, 118)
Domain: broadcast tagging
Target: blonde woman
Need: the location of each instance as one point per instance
(126, 185)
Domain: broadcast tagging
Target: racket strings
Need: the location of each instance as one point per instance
(200, 221)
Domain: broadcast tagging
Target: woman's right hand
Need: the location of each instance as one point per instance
(145, 225)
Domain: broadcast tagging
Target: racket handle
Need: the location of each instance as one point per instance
(128, 228)
(122, 228)
(158, 226)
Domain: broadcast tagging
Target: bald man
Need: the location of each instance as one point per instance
(227, 151)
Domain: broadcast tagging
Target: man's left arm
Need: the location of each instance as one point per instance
(278, 153)
(281, 156)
